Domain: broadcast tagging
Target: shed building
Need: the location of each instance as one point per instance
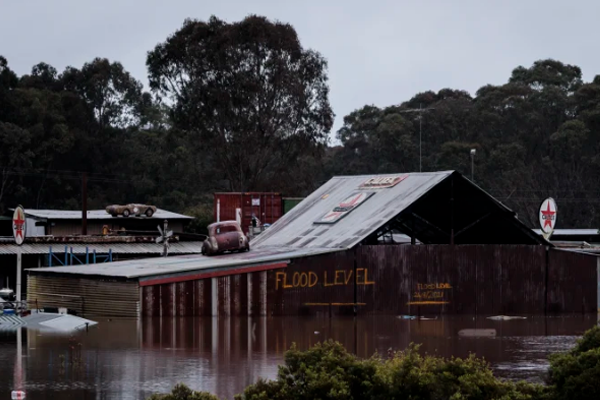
(335, 252)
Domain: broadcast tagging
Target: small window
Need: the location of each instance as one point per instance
(226, 229)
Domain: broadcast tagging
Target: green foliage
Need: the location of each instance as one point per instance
(244, 106)
(182, 392)
(247, 91)
(409, 375)
(327, 371)
(576, 375)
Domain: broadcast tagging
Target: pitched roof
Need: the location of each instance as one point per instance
(430, 204)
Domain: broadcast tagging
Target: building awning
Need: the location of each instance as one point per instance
(160, 214)
(102, 248)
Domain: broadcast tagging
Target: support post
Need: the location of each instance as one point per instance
(413, 240)
(19, 259)
(452, 210)
(598, 279)
(84, 204)
(354, 279)
(546, 280)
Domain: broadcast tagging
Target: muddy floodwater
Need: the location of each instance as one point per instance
(129, 359)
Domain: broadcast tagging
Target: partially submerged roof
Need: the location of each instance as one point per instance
(175, 248)
(435, 207)
(95, 214)
(150, 267)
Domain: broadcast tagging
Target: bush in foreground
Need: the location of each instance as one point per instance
(576, 375)
(327, 371)
(182, 392)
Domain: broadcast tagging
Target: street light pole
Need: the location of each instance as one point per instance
(420, 135)
(420, 110)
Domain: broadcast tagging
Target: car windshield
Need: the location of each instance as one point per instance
(225, 229)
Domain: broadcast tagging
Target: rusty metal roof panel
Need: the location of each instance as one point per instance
(148, 267)
(298, 229)
(96, 214)
(103, 248)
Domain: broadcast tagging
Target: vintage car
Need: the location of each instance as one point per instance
(131, 209)
(7, 298)
(226, 236)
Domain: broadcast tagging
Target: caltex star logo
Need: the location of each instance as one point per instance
(548, 216)
(19, 225)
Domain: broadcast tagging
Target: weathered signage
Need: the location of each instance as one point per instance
(19, 225)
(346, 206)
(547, 217)
(380, 182)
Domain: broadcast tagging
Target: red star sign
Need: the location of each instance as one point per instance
(548, 216)
(19, 222)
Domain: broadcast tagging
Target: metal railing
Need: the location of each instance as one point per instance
(18, 306)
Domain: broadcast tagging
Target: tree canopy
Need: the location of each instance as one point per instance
(244, 106)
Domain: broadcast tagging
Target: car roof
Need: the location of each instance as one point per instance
(223, 223)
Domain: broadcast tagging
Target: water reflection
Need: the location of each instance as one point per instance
(128, 359)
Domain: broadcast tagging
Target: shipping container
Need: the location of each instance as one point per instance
(290, 202)
(235, 206)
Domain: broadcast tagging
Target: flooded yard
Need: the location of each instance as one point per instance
(130, 359)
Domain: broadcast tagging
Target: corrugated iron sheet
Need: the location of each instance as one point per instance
(88, 297)
(116, 248)
(571, 232)
(96, 214)
(234, 295)
(437, 279)
(457, 207)
(159, 266)
(297, 229)
(572, 282)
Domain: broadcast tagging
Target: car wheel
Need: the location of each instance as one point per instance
(149, 213)
(126, 213)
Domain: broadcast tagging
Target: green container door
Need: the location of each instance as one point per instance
(290, 202)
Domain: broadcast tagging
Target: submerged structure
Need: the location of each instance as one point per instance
(336, 252)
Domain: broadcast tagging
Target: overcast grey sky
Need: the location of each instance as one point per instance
(379, 52)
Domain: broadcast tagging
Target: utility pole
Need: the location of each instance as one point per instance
(420, 110)
(473, 151)
(84, 197)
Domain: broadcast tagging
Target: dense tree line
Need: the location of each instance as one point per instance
(243, 106)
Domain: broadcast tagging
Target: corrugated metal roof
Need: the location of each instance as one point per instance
(148, 267)
(571, 232)
(296, 229)
(96, 214)
(103, 248)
